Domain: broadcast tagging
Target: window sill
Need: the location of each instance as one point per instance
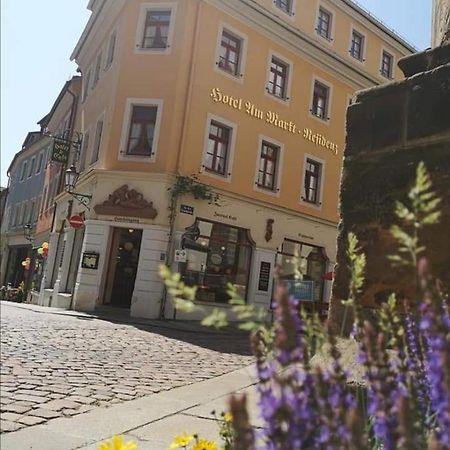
(137, 158)
(282, 100)
(272, 192)
(328, 40)
(324, 121)
(225, 178)
(156, 51)
(238, 78)
(317, 206)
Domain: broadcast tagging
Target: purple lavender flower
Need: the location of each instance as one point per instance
(434, 323)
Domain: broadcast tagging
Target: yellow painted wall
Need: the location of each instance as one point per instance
(186, 77)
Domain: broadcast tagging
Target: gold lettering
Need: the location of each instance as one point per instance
(271, 118)
(216, 95)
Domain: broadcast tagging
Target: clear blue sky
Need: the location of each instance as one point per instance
(38, 36)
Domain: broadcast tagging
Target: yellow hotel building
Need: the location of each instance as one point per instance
(250, 97)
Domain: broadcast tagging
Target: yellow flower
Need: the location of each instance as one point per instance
(181, 441)
(203, 444)
(228, 417)
(116, 443)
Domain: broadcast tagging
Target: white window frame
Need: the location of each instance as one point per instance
(110, 54)
(15, 215)
(31, 211)
(130, 102)
(97, 68)
(145, 7)
(279, 169)
(316, 206)
(85, 148)
(24, 213)
(100, 118)
(40, 162)
(332, 13)
(32, 167)
(364, 36)
(23, 172)
(229, 169)
(384, 49)
(242, 57)
(327, 120)
(290, 75)
(87, 83)
(290, 14)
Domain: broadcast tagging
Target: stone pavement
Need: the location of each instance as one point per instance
(151, 422)
(59, 364)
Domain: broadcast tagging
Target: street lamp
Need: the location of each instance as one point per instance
(27, 232)
(70, 181)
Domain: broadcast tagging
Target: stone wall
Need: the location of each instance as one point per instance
(441, 22)
(390, 129)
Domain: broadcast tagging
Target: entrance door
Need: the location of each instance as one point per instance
(126, 245)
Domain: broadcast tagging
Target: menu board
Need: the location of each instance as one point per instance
(264, 276)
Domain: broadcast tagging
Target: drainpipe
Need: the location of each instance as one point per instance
(73, 112)
(187, 106)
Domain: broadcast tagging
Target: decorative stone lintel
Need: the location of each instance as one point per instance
(128, 203)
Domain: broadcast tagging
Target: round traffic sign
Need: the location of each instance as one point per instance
(76, 221)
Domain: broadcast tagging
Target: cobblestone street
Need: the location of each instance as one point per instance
(55, 365)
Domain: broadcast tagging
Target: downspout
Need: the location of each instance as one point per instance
(73, 111)
(187, 107)
(70, 202)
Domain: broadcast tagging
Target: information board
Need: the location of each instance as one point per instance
(302, 290)
(264, 276)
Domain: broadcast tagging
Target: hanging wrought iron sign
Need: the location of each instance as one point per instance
(60, 151)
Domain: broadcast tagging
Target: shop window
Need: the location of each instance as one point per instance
(312, 181)
(221, 255)
(324, 24)
(357, 46)
(386, 64)
(303, 268)
(218, 149)
(156, 29)
(320, 100)
(230, 53)
(285, 5)
(278, 78)
(142, 130)
(268, 166)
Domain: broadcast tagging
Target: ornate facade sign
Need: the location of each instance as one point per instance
(126, 202)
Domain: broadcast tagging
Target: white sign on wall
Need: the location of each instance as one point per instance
(180, 255)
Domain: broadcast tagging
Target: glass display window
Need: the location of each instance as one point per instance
(304, 263)
(226, 259)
